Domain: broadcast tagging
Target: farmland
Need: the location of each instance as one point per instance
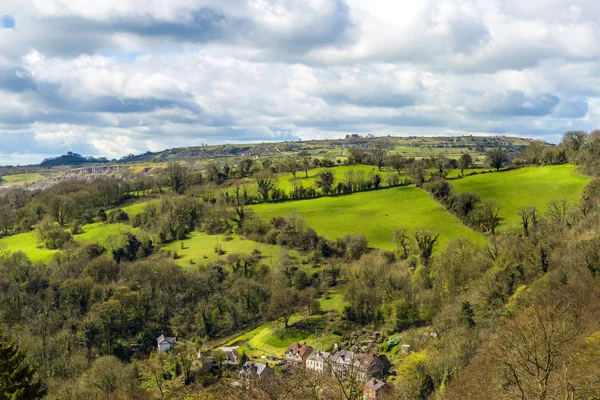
(375, 214)
(532, 186)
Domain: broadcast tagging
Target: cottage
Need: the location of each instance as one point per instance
(375, 389)
(252, 371)
(165, 343)
(233, 357)
(297, 354)
(319, 361)
(345, 363)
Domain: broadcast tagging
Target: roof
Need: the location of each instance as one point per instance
(166, 339)
(252, 367)
(231, 353)
(375, 384)
(343, 356)
(297, 348)
(319, 356)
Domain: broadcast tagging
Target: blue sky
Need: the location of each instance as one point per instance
(118, 77)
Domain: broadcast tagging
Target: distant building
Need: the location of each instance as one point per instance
(252, 371)
(375, 388)
(345, 363)
(165, 343)
(319, 361)
(233, 357)
(297, 354)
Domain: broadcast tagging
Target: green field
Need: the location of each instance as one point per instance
(29, 244)
(286, 181)
(375, 213)
(332, 301)
(532, 186)
(21, 179)
(200, 249)
(270, 338)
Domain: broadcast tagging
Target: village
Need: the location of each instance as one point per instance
(368, 369)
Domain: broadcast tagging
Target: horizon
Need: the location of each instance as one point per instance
(36, 161)
(137, 79)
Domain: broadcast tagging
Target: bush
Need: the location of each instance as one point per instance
(76, 227)
(53, 236)
(116, 216)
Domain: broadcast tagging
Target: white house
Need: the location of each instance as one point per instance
(319, 361)
(165, 343)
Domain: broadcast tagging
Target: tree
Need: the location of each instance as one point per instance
(531, 345)
(219, 356)
(17, 378)
(108, 374)
(7, 219)
(533, 152)
(305, 161)
(464, 162)
(574, 141)
(245, 166)
(177, 176)
(379, 154)
(186, 354)
(396, 161)
(489, 216)
(417, 172)
(402, 242)
(291, 165)
(325, 181)
(496, 158)
(425, 239)
(264, 181)
(528, 217)
(283, 304)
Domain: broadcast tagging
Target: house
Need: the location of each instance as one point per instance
(375, 389)
(319, 361)
(297, 354)
(233, 357)
(345, 363)
(252, 371)
(165, 343)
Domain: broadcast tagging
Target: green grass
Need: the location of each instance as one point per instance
(200, 248)
(20, 179)
(332, 301)
(100, 232)
(532, 186)
(137, 208)
(285, 182)
(272, 338)
(375, 213)
(29, 244)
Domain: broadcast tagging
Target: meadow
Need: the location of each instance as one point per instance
(375, 214)
(271, 339)
(531, 186)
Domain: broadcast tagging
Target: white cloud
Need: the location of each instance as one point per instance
(140, 76)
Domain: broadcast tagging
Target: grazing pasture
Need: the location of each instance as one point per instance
(375, 214)
(531, 186)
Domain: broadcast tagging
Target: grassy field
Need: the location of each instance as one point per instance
(532, 186)
(286, 181)
(200, 249)
(21, 179)
(271, 338)
(332, 301)
(29, 244)
(376, 214)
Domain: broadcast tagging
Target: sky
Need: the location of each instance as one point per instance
(115, 77)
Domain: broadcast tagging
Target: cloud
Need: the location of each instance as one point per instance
(186, 72)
